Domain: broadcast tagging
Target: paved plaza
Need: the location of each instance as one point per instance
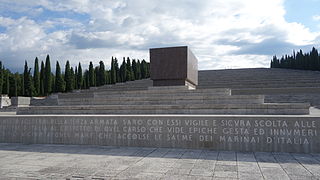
(19, 161)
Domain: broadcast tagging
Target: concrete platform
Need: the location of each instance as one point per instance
(106, 162)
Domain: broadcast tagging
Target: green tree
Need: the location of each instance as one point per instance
(68, 77)
(113, 73)
(138, 69)
(135, 69)
(129, 75)
(91, 75)
(36, 77)
(79, 77)
(116, 67)
(76, 78)
(47, 78)
(144, 69)
(42, 78)
(73, 78)
(123, 71)
(19, 81)
(314, 59)
(299, 60)
(53, 84)
(13, 86)
(102, 74)
(86, 82)
(108, 79)
(60, 83)
(6, 82)
(97, 76)
(1, 77)
(28, 86)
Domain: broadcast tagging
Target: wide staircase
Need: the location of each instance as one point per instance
(235, 91)
(278, 85)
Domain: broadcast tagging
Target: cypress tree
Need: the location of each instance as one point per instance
(318, 67)
(143, 66)
(60, 84)
(91, 75)
(135, 69)
(116, 67)
(97, 76)
(68, 77)
(19, 83)
(36, 77)
(113, 73)
(27, 81)
(73, 82)
(42, 77)
(86, 81)
(1, 77)
(79, 77)
(25, 78)
(138, 69)
(148, 69)
(299, 60)
(13, 86)
(108, 79)
(6, 84)
(47, 77)
(314, 59)
(123, 71)
(102, 74)
(22, 85)
(129, 75)
(76, 78)
(53, 84)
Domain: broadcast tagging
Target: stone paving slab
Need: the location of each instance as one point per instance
(73, 162)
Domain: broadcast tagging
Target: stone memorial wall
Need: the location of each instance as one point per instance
(241, 133)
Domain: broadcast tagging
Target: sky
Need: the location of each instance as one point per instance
(223, 34)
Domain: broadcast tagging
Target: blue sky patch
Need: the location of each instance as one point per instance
(303, 12)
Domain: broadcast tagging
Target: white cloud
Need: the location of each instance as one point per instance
(316, 17)
(221, 33)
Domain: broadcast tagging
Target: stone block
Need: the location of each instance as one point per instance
(173, 66)
(20, 101)
(4, 101)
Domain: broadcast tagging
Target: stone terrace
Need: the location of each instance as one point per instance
(278, 85)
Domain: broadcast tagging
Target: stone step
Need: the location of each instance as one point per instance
(292, 108)
(212, 86)
(143, 93)
(119, 89)
(259, 81)
(286, 90)
(170, 97)
(258, 99)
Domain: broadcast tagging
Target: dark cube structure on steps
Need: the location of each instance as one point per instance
(173, 66)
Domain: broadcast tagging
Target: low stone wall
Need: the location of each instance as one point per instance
(239, 133)
(5, 101)
(20, 101)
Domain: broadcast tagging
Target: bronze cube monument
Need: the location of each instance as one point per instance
(173, 66)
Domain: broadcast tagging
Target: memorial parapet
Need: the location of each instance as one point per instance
(237, 133)
(173, 66)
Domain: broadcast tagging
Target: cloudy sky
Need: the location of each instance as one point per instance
(221, 33)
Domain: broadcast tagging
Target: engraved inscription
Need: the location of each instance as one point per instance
(170, 131)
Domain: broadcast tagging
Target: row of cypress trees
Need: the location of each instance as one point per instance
(42, 82)
(299, 60)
